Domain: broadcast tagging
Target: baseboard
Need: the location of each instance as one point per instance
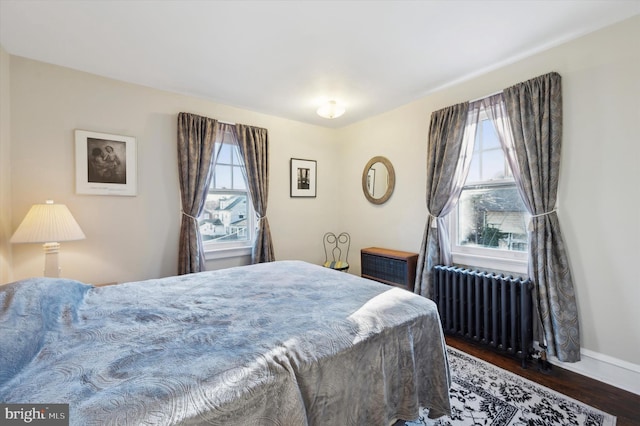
(613, 371)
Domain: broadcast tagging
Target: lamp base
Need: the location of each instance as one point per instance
(51, 265)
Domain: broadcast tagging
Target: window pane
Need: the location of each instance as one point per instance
(222, 177)
(236, 155)
(474, 170)
(228, 218)
(224, 218)
(224, 156)
(238, 179)
(490, 213)
(493, 165)
(492, 217)
(489, 136)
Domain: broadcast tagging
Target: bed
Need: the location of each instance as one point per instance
(283, 343)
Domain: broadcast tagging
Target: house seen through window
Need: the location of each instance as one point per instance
(491, 219)
(227, 218)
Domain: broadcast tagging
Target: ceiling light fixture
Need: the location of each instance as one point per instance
(331, 109)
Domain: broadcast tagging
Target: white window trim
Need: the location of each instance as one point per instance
(224, 250)
(484, 257)
(490, 263)
(224, 253)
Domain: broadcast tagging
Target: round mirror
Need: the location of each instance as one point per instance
(378, 180)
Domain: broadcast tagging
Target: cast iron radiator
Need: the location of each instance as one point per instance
(490, 309)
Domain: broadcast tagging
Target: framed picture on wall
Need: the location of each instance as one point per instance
(105, 164)
(303, 178)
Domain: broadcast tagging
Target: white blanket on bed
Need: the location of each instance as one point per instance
(283, 343)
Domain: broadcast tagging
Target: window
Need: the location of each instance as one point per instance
(489, 226)
(227, 221)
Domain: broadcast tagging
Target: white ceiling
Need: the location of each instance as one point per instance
(284, 57)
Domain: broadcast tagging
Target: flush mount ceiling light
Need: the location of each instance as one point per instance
(331, 109)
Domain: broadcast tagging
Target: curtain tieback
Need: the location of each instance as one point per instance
(543, 214)
(434, 222)
(188, 215)
(539, 215)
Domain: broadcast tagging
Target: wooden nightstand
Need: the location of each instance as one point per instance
(393, 267)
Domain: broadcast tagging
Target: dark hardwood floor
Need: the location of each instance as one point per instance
(622, 404)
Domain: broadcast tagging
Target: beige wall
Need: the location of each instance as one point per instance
(130, 238)
(5, 168)
(598, 200)
(134, 238)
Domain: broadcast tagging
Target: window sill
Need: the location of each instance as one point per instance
(224, 253)
(516, 266)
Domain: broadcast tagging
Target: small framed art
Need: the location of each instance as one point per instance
(303, 178)
(105, 164)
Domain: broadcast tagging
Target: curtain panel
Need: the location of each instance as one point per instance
(528, 120)
(449, 153)
(254, 149)
(534, 108)
(196, 140)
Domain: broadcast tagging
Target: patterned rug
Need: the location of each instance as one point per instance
(483, 394)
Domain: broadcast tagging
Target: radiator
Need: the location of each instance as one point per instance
(490, 309)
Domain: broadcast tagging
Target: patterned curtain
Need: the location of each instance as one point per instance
(196, 139)
(451, 135)
(254, 148)
(535, 116)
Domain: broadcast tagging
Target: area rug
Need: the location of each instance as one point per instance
(483, 394)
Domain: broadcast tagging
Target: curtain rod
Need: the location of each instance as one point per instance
(226, 122)
(486, 96)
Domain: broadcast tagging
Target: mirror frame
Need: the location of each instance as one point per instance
(390, 186)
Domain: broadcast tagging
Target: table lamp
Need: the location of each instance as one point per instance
(48, 223)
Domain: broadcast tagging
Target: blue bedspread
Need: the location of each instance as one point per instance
(283, 343)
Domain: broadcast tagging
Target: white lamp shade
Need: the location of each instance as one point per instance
(46, 223)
